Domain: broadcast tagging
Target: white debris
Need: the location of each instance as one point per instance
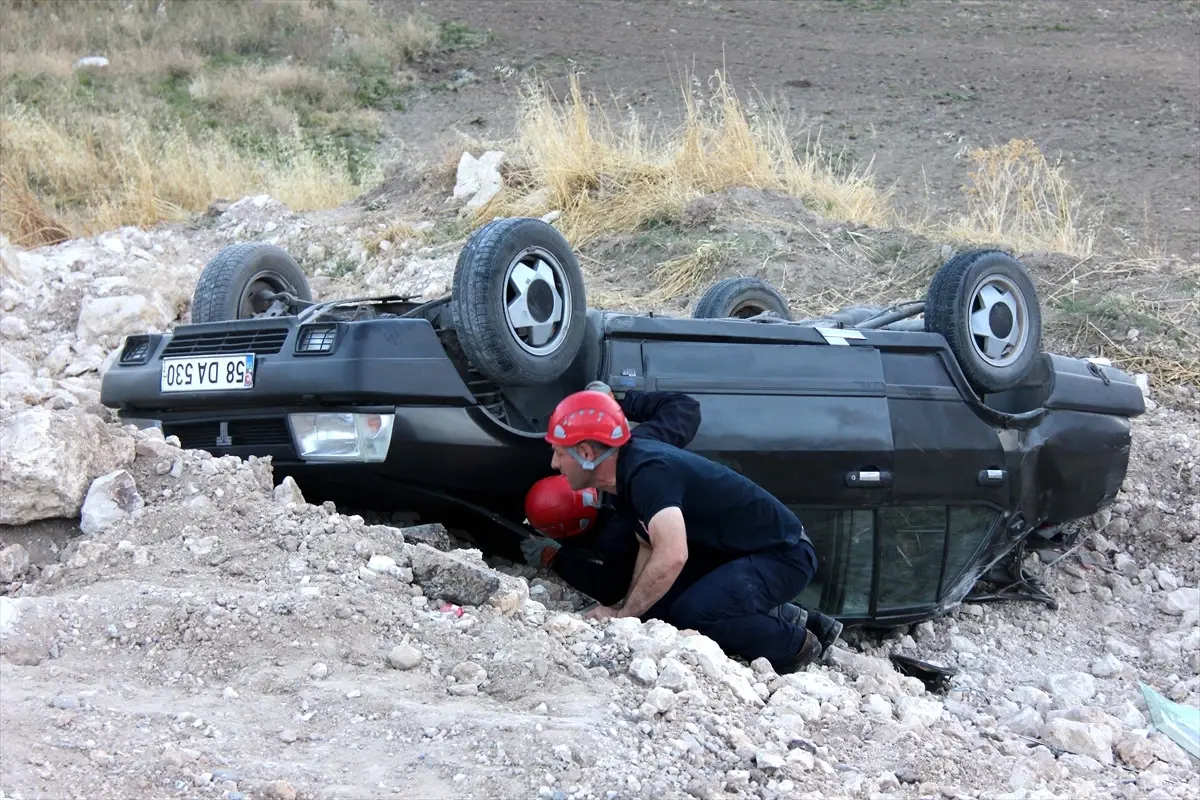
(478, 179)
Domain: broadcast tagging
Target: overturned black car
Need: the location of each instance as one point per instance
(924, 445)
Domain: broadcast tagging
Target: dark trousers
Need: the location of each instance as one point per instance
(728, 601)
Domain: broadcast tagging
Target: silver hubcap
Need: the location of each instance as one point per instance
(999, 321)
(537, 298)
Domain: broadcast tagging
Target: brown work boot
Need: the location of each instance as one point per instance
(809, 652)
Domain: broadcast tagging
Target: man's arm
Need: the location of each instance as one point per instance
(607, 581)
(668, 553)
(670, 417)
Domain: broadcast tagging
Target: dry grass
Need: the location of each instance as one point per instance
(394, 234)
(685, 275)
(1018, 198)
(610, 177)
(201, 99)
(102, 174)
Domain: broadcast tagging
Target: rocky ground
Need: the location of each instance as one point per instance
(175, 625)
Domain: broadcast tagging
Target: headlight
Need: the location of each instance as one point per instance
(342, 437)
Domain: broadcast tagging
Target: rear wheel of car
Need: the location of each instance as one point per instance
(740, 298)
(985, 305)
(519, 302)
(237, 282)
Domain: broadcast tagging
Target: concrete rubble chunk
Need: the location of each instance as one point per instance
(478, 179)
(288, 492)
(1136, 751)
(918, 712)
(433, 534)
(643, 670)
(118, 316)
(1071, 688)
(14, 562)
(48, 459)
(110, 499)
(451, 577)
(1081, 738)
(1182, 600)
(404, 657)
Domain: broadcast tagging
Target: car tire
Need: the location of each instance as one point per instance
(519, 302)
(740, 298)
(984, 304)
(229, 282)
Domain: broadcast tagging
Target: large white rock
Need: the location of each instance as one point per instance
(20, 266)
(478, 178)
(918, 712)
(118, 316)
(1180, 601)
(1081, 738)
(1071, 688)
(48, 460)
(110, 499)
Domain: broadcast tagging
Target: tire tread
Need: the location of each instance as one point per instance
(726, 293)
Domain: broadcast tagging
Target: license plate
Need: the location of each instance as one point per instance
(208, 373)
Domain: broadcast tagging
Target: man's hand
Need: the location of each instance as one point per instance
(599, 386)
(539, 551)
(601, 613)
(668, 554)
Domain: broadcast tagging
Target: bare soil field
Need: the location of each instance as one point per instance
(1113, 89)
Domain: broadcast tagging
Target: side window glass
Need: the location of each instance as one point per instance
(912, 541)
(970, 528)
(844, 542)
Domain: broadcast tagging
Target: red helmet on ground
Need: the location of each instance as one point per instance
(587, 416)
(553, 508)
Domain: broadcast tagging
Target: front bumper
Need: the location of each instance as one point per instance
(384, 362)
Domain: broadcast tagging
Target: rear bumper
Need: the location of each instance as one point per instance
(388, 361)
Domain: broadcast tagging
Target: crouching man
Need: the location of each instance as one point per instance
(715, 551)
(585, 542)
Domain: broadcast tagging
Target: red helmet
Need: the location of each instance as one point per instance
(553, 508)
(587, 416)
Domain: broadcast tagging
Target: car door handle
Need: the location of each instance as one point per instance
(992, 476)
(868, 478)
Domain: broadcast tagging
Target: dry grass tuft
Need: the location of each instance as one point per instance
(686, 274)
(28, 223)
(394, 234)
(1017, 197)
(200, 99)
(611, 177)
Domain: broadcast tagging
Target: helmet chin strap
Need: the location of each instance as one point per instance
(591, 464)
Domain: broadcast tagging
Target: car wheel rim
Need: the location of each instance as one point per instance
(254, 302)
(998, 321)
(537, 296)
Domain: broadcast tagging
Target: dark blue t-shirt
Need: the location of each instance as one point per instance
(725, 512)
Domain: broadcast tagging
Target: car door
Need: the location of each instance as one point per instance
(807, 420)
(944, 453)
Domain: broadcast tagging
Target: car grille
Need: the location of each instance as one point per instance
(264, 341)
(272, 432)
